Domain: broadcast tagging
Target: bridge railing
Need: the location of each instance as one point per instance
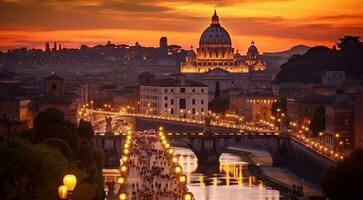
(317, 147)
(191, 121)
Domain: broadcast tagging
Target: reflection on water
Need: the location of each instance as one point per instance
(230, 181)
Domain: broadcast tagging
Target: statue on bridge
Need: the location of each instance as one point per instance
(207, 127)
(108, 125)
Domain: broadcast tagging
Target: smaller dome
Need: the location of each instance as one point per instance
(252, 50)
(191, 54)
(237, 55)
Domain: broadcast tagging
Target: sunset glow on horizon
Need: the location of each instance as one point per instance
(273, 24)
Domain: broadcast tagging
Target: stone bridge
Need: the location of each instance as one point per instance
(209, 147)
(209, 142)
(183, 125)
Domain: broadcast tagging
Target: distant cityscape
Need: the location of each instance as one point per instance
(136, 121)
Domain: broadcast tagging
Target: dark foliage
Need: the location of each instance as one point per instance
(219, 105)
(344, 181)
(309, 67)
(85, 129)
(49, 124)
(318, 121)
(60, 145)
(280, 104)
(61, 135)
(35, 172)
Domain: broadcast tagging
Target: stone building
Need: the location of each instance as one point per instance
(301, 110)
(254, 106)
(176, 97)
(54, 97)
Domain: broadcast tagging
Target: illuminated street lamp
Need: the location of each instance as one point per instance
(183, 179)
(123, 196)
(124, 159)
(188, 196)
(171, 151)
(175, 159)
(69, 183)
(123, 168)
(178, 169)
(63, 192)
(122, 182)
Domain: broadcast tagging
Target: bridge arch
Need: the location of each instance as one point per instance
(208, 149)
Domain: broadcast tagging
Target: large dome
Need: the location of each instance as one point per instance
(215, 34)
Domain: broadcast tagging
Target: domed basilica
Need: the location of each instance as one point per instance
(216, 64)
(216, 51)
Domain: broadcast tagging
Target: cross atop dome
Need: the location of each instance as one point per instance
(253, 43)
(215, 18)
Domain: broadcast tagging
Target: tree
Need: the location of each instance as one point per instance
(85, 130)
(48, 124)
(280, 105)
(34, 171)
(309, 67)
(219, 105)
(317, 123)
(60, 145)
(344, 180)
(348, 42)
(51, 124)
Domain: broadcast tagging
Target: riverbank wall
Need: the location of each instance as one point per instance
(306, 163)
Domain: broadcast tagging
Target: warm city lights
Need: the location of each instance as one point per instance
(181, 100)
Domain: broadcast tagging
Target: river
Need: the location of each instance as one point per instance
(231, 181)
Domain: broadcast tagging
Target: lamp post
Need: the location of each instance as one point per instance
(188, 196)
(62, 192)
(69, 183)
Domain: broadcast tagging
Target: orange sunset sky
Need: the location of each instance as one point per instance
(273, 24)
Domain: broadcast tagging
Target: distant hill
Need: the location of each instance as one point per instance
(298, 49)
(309, 67)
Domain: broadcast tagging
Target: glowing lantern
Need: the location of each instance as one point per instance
(188, 196)
(70, 181)
(183, 179)
(121, 180)
(63, 192)
(178, 169)
(123, 196)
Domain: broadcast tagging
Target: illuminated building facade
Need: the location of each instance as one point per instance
(301, 110)
(216, 64)
(174, 98)
(254, 106)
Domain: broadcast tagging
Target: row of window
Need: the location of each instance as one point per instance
(193, 111)
(193, 101)
(146, 89)
(222, 54)
(149, 97)
(182, 90)
(215, 64)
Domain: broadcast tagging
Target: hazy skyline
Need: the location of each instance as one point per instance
(273, 24)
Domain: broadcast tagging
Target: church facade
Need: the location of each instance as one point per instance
(216, 64)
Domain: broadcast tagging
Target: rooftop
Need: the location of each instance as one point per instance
(176, 83)
(314, 98)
